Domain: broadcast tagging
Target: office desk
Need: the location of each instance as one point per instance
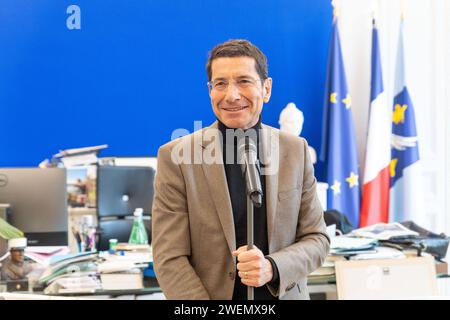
(151, 291)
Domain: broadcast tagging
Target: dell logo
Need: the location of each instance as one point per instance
(3, 180)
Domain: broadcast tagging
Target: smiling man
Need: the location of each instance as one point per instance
(199, 216)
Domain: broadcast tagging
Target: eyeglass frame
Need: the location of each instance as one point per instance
(211, 85)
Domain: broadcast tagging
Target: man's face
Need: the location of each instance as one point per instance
(238, 103)
(17, 255)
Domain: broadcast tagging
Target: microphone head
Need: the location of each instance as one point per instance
(256, 199)
(247, 148)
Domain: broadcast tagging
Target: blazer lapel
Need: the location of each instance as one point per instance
(217, 182)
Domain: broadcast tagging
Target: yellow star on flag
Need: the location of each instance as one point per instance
(352, 180)
(347, 101)
(399, 113)
(333, 97)
(392, 166)
(336, 187)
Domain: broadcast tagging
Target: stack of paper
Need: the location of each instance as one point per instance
(325, 273)
(123, 270)
(381, 253)
(121, 274)
(346, 246)
(69, 265)
(82, 283)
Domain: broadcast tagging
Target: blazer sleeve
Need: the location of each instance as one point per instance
(170, 233)
(312, 243)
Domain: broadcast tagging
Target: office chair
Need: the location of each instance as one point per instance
(120, 190)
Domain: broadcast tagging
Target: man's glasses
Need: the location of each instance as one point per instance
(244, 83)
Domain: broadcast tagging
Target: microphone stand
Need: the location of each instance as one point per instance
(254, 198)
(251, 172)
(250, 289)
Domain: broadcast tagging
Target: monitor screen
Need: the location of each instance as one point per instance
(38, 203)
(122, 189)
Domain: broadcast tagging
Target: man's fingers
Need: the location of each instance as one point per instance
(251, 274)
(251, 282)
(250, 255)
(248, 266)
(240, 250)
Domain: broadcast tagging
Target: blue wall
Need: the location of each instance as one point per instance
(136, 69)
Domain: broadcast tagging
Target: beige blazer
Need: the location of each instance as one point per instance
(192, 220)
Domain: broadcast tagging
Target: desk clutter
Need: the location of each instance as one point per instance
(121, 268)
(383, 241)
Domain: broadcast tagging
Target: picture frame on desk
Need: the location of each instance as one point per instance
(407, 278)
(17, 285)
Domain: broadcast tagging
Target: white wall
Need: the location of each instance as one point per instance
(427, 64)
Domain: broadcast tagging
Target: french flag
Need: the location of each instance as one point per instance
(375, 193)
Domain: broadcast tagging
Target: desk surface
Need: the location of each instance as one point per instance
(150, 286)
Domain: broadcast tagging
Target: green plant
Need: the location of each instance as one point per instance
(8, 232)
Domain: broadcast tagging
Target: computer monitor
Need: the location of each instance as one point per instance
(38, 203)
(122, 189)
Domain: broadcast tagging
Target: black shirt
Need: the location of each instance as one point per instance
(237, 190)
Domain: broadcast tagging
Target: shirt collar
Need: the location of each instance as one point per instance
(223, 128)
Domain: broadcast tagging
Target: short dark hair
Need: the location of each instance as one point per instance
(239, 48)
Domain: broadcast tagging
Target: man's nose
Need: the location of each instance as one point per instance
(232, 93)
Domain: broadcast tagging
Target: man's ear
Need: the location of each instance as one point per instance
(267, 89)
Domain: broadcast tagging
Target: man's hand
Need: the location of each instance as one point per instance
(254, 269)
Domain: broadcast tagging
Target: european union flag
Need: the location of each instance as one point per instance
(338, 140)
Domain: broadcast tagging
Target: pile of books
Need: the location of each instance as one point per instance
(71, 273)
(326, 273)
(90, 272)
(123, 270)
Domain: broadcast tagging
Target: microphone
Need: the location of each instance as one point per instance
(250, 169)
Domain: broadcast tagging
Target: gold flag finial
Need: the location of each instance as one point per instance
(335, 10)
(402, 10)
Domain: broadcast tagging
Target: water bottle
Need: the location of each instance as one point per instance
(138, 233)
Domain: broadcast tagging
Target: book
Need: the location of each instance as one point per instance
(119, 266)
(130, 280)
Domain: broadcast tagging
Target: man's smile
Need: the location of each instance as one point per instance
(234, 109)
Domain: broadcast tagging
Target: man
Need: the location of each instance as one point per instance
(199, 209)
